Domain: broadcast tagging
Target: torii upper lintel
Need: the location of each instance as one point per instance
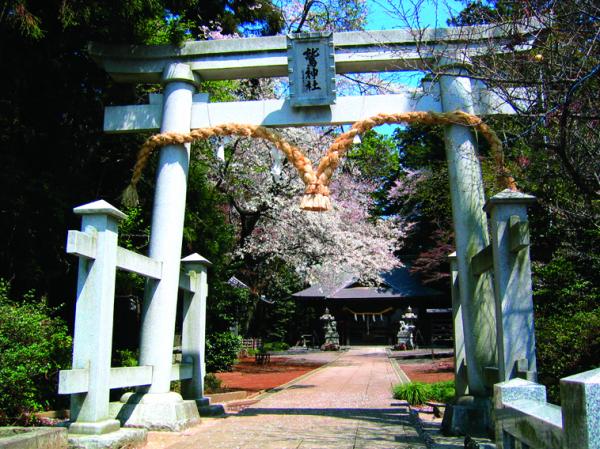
(265, 57)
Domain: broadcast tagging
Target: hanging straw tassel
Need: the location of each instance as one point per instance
(130, 197)
(316, 198)
(315, 202)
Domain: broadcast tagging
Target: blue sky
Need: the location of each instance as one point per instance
(431, 13)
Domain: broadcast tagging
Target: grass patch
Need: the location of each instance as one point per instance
(416, 393)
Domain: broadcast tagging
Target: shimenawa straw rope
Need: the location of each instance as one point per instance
(316, 194)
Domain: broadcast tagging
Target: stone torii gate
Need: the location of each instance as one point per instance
(485, 321)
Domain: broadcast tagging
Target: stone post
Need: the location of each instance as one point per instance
(512, 285)
(580, 400)
(92, 342)
(471, 234)
(194, 327)
(514, 390)
(460, 368)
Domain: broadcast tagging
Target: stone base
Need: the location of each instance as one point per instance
(202, 402)
(34, 437)
(212, 410)
(468, 415)
(157, 411)
(94, 428)
(129, 438)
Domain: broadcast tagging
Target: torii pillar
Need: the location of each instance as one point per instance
(156, 406)
(471, 235)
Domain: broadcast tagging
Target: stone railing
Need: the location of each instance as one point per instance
(523, 418)
(92, 377)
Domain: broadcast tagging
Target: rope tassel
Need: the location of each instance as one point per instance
(316, 194)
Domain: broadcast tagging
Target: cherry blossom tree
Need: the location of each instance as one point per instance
(263, 191)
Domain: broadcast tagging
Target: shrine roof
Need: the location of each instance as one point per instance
(398, 283)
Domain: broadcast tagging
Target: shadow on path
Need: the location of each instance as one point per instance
(384, 416)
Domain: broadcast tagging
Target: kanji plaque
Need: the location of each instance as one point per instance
(311, 69)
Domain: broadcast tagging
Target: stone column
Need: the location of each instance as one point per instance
(194, 327)
(512, 284)
(160, 302)
(460, 367)
(155, 407)
(92, 342)
(471, 234)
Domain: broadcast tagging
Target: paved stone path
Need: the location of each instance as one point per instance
(347, 404)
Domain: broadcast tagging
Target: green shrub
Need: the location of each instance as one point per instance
(125, 357)
(212, 384)
(34, 345)
(221, 351)
(416, 393)
(442, 392)
(275, 346)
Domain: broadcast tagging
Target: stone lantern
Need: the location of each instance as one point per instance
(332, 338)
(406, 332)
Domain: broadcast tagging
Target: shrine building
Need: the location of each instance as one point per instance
(370, 315)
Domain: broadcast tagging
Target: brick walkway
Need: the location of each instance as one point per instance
(347, 404)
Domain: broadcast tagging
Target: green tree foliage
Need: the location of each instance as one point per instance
(418, 191)
(34, 345)
(54, 153)
(278, 317)
(567, 306)
(376, 157)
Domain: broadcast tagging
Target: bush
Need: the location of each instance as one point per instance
(416, 393)
(275, 346)
(125, 357)
(212, 384)
(34, 346)
(442, 392)
(221, 351)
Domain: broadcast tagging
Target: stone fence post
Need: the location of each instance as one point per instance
(523, 418)
(460, 368)
(580, 398)
(92, 342)
(194, 327)
(512, 284)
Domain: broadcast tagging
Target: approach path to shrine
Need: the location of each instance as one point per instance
(347, 404)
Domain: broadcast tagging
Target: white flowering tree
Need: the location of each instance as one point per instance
(264, 190)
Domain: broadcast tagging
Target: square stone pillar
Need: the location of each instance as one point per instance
(194, 327)
(513, 390)
(580, 398)
(512, 285)
(92, 342)
(460, 368)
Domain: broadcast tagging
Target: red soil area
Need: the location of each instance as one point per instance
(249, 376)
(429, 371)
